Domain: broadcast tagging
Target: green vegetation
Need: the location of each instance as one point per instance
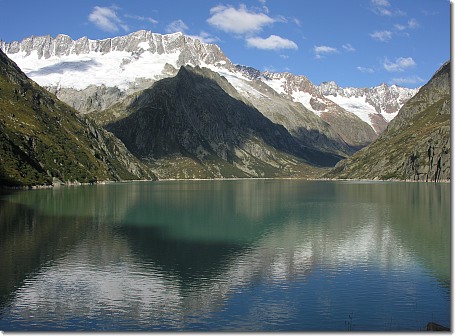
(416, 144)
(43, 139)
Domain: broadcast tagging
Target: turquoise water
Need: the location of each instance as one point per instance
(237, 255)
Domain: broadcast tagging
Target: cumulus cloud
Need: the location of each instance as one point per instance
(400, 64)
(238, 20)
(273, 42)
(383, 35)
(322, 50)
(365, 70)
(176, 26)
(106, 19)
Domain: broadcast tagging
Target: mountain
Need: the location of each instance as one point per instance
(94, 75)
(416, 143)
(197, 125)
(44, 141)
(376, 106)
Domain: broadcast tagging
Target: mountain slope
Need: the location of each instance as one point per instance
(197, 125)
(416, 143)
(42, 140)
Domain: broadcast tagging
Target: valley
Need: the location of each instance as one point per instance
(184, 110)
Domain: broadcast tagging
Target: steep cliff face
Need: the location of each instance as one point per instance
(42, 140)
(197, 125)
(415, 145)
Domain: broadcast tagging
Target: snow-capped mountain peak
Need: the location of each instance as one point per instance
(118, 61)
(134, 61)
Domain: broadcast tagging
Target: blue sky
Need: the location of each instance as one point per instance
(360, 43)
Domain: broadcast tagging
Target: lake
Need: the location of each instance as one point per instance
(232, 255)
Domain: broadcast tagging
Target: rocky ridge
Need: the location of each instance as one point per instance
(416, 144)
(44, 141)
(196, 125)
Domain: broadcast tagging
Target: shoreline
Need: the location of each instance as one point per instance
(76, 184)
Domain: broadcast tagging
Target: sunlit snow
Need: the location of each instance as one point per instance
(116, 68)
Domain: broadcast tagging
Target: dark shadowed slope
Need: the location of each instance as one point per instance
(196, 125)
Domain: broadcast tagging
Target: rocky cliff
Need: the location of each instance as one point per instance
(415, 145)
(44, 141)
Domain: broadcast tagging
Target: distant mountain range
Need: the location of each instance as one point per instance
(93, 74)
(186, 111)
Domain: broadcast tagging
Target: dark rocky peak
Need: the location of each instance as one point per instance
(249, 72)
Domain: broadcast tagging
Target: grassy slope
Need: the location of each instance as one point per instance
(402, 150)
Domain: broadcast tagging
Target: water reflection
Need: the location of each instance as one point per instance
(226, 255)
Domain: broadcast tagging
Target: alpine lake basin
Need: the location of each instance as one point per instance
(226, 255)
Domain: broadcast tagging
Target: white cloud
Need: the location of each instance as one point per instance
(272, 42)
(320, 50)
(176, 26)
(383, 35)
(400, 64)
(141, 18)
(413, 23)
(383, 8)
(407, 80)
(348, 47)
(297, 22)
(380, 3)
(205, 37)
(106, 19)
(238, 21)
(365, 70)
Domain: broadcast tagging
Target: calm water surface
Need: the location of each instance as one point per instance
(249, 255)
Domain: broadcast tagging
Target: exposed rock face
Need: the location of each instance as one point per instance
(93, 98)
(190, 50)
(415, 145)
(385, 99)
(350, 128)
(375, 106)
(44, 141)
(197, 125)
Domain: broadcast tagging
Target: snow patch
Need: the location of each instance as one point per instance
(116, 68)
(304, 98)
(356, 105)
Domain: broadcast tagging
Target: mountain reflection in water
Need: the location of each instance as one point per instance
(247, 255)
